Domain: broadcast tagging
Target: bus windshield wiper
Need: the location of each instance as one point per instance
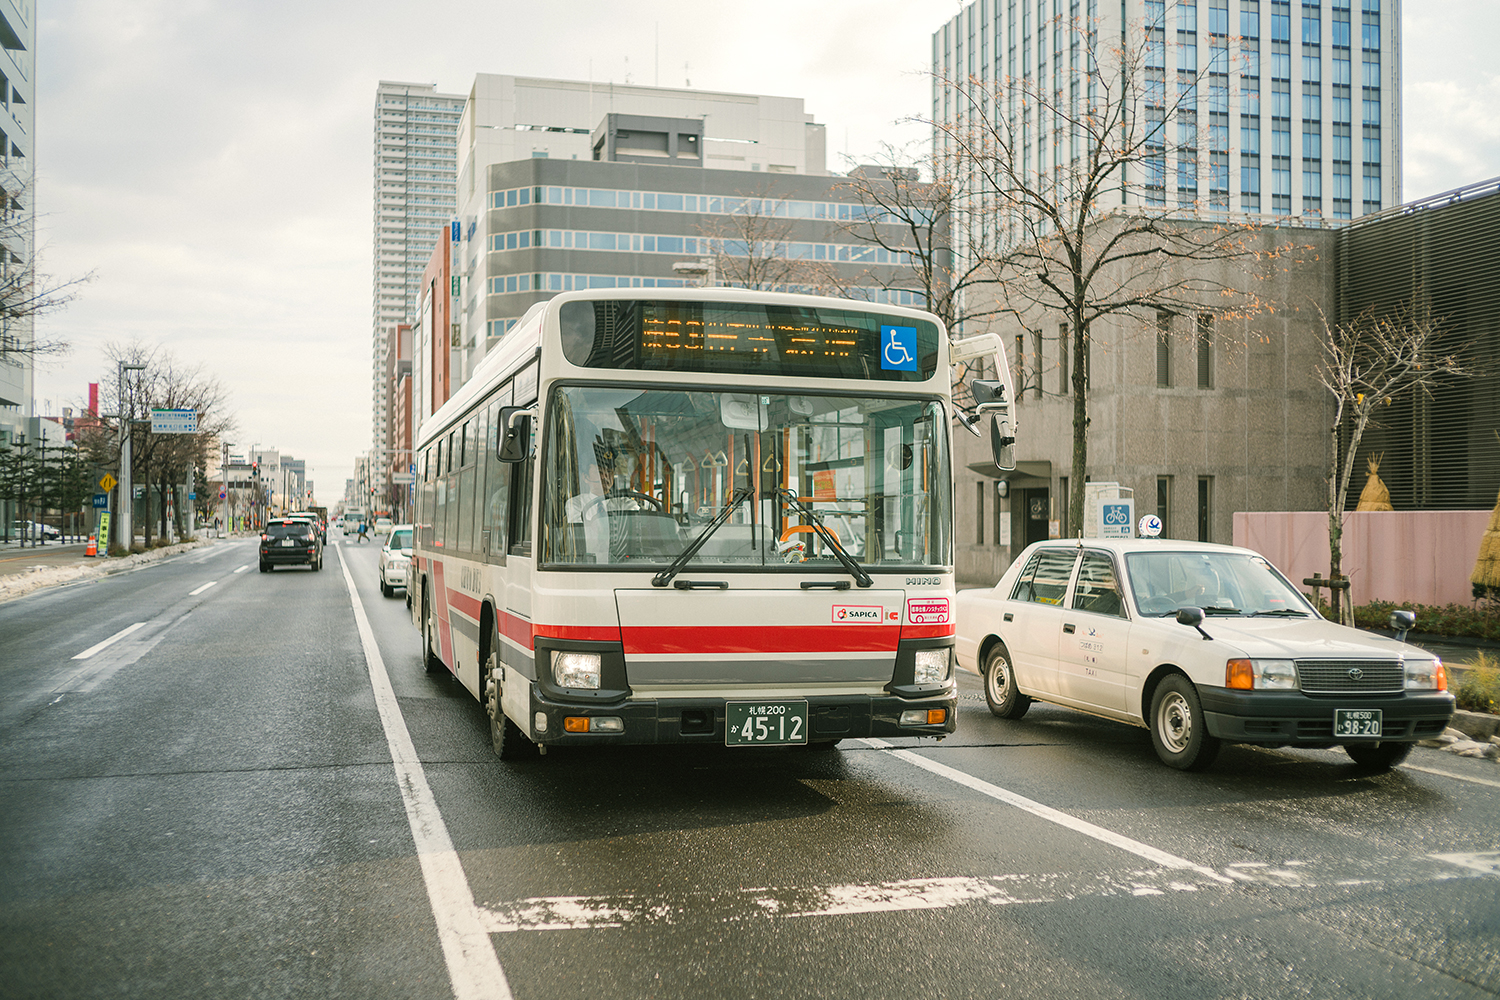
(665, 576)
(855, 569)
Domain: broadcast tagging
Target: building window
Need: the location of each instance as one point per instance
(1064, 354)
(1205, 351)
(1036, 364)
(1163, 349)
(1205, 509)
(981, 488)
(1164, 504)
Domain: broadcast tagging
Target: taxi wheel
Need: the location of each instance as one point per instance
(505, 736)
(1178, 729)
(385, 591)
(1378, 756)
(1000, 685)
(430, 660)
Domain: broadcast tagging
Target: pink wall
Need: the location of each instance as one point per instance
(1415, 557)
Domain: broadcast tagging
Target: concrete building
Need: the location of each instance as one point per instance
(1281, 109)
(603, 141)
(414, 168)
(17, 218)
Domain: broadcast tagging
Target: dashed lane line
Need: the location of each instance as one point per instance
(99, 647)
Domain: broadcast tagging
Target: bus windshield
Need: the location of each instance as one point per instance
(632, 476)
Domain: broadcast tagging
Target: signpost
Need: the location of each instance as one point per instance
(174, 421)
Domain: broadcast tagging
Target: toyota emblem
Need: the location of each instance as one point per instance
(1355, 673)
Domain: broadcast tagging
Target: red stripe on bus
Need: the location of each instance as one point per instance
(464, 604)
(928, 631)
(579, 633)
(762, 639)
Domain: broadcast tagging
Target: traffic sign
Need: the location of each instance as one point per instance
(101, 501)
(174, 421)
(108, 482)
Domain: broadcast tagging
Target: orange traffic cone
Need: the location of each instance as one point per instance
(93, 547)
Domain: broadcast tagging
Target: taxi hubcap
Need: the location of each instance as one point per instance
(1176, 722)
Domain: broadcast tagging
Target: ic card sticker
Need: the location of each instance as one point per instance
(928, 610)
(847, 614)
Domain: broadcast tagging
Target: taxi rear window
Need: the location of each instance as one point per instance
(1045, 578)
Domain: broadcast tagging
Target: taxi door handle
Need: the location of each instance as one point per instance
(1009, 617)
(1068, 628)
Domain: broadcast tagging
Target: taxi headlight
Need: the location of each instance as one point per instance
(576, 670)
(1261, 675)
(932, 665)
(1426, 675)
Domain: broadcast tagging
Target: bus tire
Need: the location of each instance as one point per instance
(431, 661)
(506, 737)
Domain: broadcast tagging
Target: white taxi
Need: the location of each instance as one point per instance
(395, 559)
(1202, 644)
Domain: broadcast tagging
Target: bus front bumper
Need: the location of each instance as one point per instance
(702, 720)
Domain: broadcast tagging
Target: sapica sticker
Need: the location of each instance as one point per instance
(928, 610)
(844, 614)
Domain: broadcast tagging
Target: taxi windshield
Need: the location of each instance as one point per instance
(1234, 583)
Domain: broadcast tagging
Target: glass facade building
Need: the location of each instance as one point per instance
(1270, 108)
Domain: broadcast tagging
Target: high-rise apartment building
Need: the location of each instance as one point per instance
(1272, 108)
(17, 218)
(415, 167)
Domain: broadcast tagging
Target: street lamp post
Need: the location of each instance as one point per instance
(127, 490)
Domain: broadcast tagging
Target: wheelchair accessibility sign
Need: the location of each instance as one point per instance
(898, 348)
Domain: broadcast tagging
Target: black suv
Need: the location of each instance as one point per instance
(290, 541)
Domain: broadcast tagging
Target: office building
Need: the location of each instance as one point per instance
(1264, 107)
(17, 220)
(414, 161)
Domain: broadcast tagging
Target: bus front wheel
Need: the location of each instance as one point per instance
(505, 736)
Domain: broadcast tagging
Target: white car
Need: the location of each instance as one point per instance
(395, 557)
(1201, 644)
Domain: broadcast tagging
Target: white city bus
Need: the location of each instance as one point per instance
(694, 516)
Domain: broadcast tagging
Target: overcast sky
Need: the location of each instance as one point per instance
(210, 161)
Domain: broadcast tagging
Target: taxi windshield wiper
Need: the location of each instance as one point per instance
(1277, 612)
(855, 569)
(665, 576)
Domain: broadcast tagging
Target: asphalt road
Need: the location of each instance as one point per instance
(256, 791)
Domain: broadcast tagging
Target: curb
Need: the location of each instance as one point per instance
(20, 585)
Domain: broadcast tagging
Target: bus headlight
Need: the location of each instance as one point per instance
(576, 670)
(931, 666)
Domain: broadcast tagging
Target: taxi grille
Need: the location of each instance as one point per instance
(1351, 676)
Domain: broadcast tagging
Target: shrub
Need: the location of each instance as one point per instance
(117, 551)
(1481, 622)
(1478, 688)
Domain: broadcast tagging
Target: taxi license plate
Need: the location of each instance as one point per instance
(765, 723)
(1356, 721)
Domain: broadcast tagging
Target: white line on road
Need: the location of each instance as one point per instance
(195, 593)
(1450, 774)
(244, 567)
(1047, 812)
(99, 647)
(473, 967)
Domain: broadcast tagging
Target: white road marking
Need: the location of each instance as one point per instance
(195, 593)
(212, 553)
(1450, 774)
(575, 913)
(473, 967)
(244, 567)
(1073, 823)
(99, 647)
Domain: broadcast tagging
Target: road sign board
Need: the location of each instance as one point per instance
(174, 421)
(101, 501)
(108, 482)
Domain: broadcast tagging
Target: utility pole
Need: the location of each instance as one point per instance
(127, 490)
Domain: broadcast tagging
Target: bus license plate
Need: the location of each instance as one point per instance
(765, 723)
(1356, 721)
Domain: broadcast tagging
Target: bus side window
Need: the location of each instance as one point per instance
(496, 497)
(521, 478)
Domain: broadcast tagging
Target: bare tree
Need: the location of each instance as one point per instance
(162, 461)
(24, 293)
(1066, 181)
(752, 246)
(1369, 362)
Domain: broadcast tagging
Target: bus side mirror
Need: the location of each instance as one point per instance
(1002, 443)
(515, 438)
